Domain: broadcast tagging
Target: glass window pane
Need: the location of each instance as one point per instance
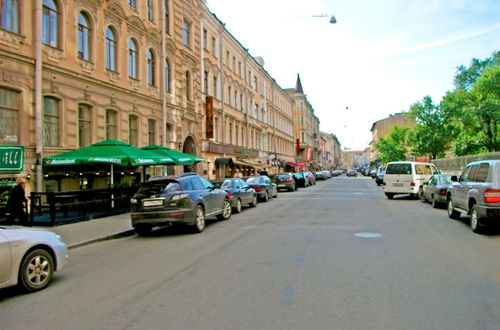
(8, 117)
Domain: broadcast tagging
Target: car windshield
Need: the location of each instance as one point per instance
(227, 184)
(283, 176)
(446, 179)
(254, 180)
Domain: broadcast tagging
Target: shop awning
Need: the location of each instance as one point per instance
(110, 152)
(179, 158)
(224, 161)
(251, 163)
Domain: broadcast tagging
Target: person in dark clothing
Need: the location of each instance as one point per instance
(16, 203)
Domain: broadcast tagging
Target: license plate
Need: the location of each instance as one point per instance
(397, 184)
(152, 203)
(281, 185)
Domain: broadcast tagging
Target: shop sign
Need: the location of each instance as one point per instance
(11, 159)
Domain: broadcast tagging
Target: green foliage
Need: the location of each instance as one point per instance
(429, 135)
(394, 146)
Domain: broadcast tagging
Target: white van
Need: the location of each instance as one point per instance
(406, 177)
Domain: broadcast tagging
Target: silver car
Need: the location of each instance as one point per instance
(29, 257)
(435, 189)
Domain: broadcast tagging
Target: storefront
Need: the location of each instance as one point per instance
(223, 160)
(11, 165)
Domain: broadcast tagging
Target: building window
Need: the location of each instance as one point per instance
(216, 129)
(9, 15)
(237, 132)
(9, 110)
(83, 125)
(214, 86)
(83, 37)
(205, 39)
(188, 86)
(169, 132)
(151, 68)
(236, 99)
(110, 49)
(241, 102)
(240, 72)
(132, 130)
(205, 82)
(167, 16)
(256, 111)
(186, 34)
(214, 46)
(133, 3)
(230, 133)
(110, 124)
(50, 23)
(242, 136)
(167, 76)
(234, 64)
(151, 13)
(151, 131)
(229, 95)
(228, 58)
(132, 59)
(254, 83)
(303, 138)
(50, 122)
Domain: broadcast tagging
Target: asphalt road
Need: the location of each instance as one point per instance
(292, 263)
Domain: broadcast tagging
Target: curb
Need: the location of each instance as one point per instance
(123, 233)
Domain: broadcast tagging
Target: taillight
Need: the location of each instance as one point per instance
(273, 180)
(442, 192)
(492, 196)
(412, 184)
(229, 195)
(289, 180)
(257, 189)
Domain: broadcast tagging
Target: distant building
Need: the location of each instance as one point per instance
(331, 152)
(383, 127)
(355, 158)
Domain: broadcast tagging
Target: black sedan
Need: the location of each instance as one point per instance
(301, 180)
(186, 199)
(285, 181)
(264, 187)
(240, 193)
(434, 190)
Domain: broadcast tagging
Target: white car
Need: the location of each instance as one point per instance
(29, 257)
(407, 177)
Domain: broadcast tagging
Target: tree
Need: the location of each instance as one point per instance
(394, 146)
(429, 136)
(466, 77)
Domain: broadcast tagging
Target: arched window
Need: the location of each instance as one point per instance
(132, 59)
(167, 76)
(9, 18)
(151, 67)
(50, 23)
(110, 49)
(50, 121)
(83, 37)
(110, 124)
(84, 125)
(9, 115)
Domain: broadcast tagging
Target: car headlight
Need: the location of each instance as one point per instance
(133, 201)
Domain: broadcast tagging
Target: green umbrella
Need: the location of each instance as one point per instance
(180, 158)
(109, 152)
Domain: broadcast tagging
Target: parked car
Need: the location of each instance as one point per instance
(373, 174)
(352, 172)
(310, 178)
(320, 175)
(435, 189)
(29, 257)
(185, 199)
(379, 179)
(406, 177)
(301, 180)
(264, 187)
(477, 193)
(285, 181)
(239, 193)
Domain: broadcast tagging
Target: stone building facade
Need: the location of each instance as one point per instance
(383, 127)
(331, 152)
(306, 128)
(252, 120)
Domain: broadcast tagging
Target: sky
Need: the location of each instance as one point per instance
(379, 58)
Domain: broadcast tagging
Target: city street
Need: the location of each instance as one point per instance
(338, 255)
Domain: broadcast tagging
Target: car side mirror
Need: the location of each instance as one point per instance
(454, 178)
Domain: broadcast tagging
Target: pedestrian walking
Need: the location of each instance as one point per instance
(17, 202)
(237, 174)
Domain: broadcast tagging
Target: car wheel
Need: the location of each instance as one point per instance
(421, 195)
(433, 202)
(452, 213)
(254, 201)
(37, 270)
(199, 219)
(226, 211)
(276, 194)
(237, 209)
(266, 197)
(475, 221)
(142, 230)
(389, 195)
(378, 183)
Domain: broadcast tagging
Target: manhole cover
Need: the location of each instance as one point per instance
(367, 235)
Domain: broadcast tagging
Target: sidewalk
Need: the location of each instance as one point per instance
(87, 232)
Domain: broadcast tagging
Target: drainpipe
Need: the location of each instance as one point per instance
(163, 85)
(38, 96)
(222, 90)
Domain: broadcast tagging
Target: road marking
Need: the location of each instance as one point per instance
(368, 235)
